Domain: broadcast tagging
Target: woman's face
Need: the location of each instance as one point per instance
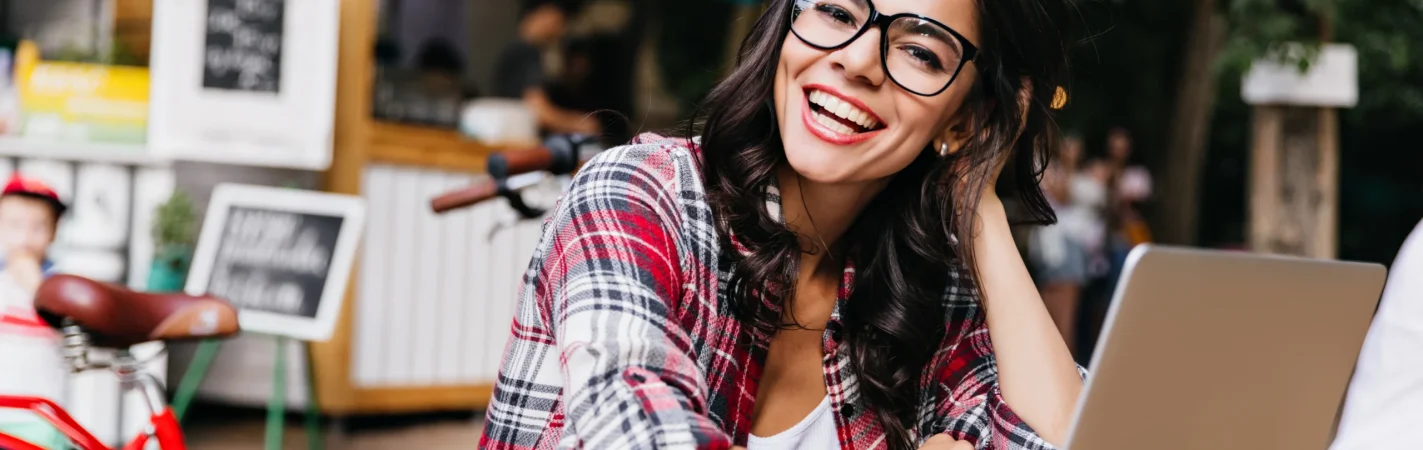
(901, 122)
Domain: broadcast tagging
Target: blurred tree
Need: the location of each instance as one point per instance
(1190, 124)
(1222, 38)
(1141, 66)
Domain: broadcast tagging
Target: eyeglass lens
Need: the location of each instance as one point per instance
(921, 56)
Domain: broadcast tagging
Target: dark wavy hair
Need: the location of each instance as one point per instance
(903, 243)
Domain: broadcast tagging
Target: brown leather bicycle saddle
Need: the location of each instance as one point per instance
(117, 317)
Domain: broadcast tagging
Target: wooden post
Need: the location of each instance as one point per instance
(331, 360)
(1294, 182)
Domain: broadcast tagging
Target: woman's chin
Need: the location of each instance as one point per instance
(823, 170)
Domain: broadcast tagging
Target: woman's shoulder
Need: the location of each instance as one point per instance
(652, 148)
(651, 170)
(960, 298)
(965, 323)
(964, 365)
(651, 160)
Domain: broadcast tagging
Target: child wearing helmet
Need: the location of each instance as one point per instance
(29, 217)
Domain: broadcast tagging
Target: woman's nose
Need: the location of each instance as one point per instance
(860, 60)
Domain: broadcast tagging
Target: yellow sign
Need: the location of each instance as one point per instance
(82, 102)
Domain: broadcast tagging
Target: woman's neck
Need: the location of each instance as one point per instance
(820, 214)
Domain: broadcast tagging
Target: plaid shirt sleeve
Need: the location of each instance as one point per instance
(593, 362)
(975, 410)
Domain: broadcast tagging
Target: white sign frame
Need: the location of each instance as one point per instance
(1331, 81)
(291, 129)
(352, 209)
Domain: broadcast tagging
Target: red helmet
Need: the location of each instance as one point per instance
(36, 189)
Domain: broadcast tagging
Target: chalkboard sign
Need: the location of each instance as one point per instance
(274, 261)
(243, 49)
(281, 256)
(245, 82)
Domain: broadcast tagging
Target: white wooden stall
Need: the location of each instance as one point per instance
(435, 296)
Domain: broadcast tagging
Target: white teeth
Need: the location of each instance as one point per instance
(834, 105)
(832, 124)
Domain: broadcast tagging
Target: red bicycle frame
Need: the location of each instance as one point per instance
(163, 426)
(162, 423)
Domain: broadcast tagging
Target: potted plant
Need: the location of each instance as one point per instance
(174, 235)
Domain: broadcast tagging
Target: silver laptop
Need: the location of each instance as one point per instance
(1223, 350)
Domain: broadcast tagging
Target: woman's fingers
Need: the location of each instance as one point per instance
(944, 442)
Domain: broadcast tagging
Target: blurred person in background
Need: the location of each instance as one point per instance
(30, 349)
(1130, 186)
(1384, 404)
(521, 72)
(1068, 254)
(822, 260)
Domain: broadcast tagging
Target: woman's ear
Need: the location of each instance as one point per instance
(961, 127)
(955, 135)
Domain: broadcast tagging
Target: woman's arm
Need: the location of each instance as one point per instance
(593, 328)
(1036, 373)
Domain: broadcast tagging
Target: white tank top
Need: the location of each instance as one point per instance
(816, 431)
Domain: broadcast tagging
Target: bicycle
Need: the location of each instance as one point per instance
(92, 314)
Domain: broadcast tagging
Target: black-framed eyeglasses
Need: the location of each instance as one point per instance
(920, 54)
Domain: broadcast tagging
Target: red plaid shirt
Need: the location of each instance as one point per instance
(624, 338)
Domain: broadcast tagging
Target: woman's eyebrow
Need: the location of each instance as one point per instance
(928, 29)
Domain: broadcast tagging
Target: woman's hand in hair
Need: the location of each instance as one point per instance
(944, 442)
(957, 140)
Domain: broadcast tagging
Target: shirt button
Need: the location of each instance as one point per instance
(847, 411)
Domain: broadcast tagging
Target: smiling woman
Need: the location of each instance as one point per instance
(827, 262)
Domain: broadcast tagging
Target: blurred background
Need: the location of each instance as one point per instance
(1280, 126)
